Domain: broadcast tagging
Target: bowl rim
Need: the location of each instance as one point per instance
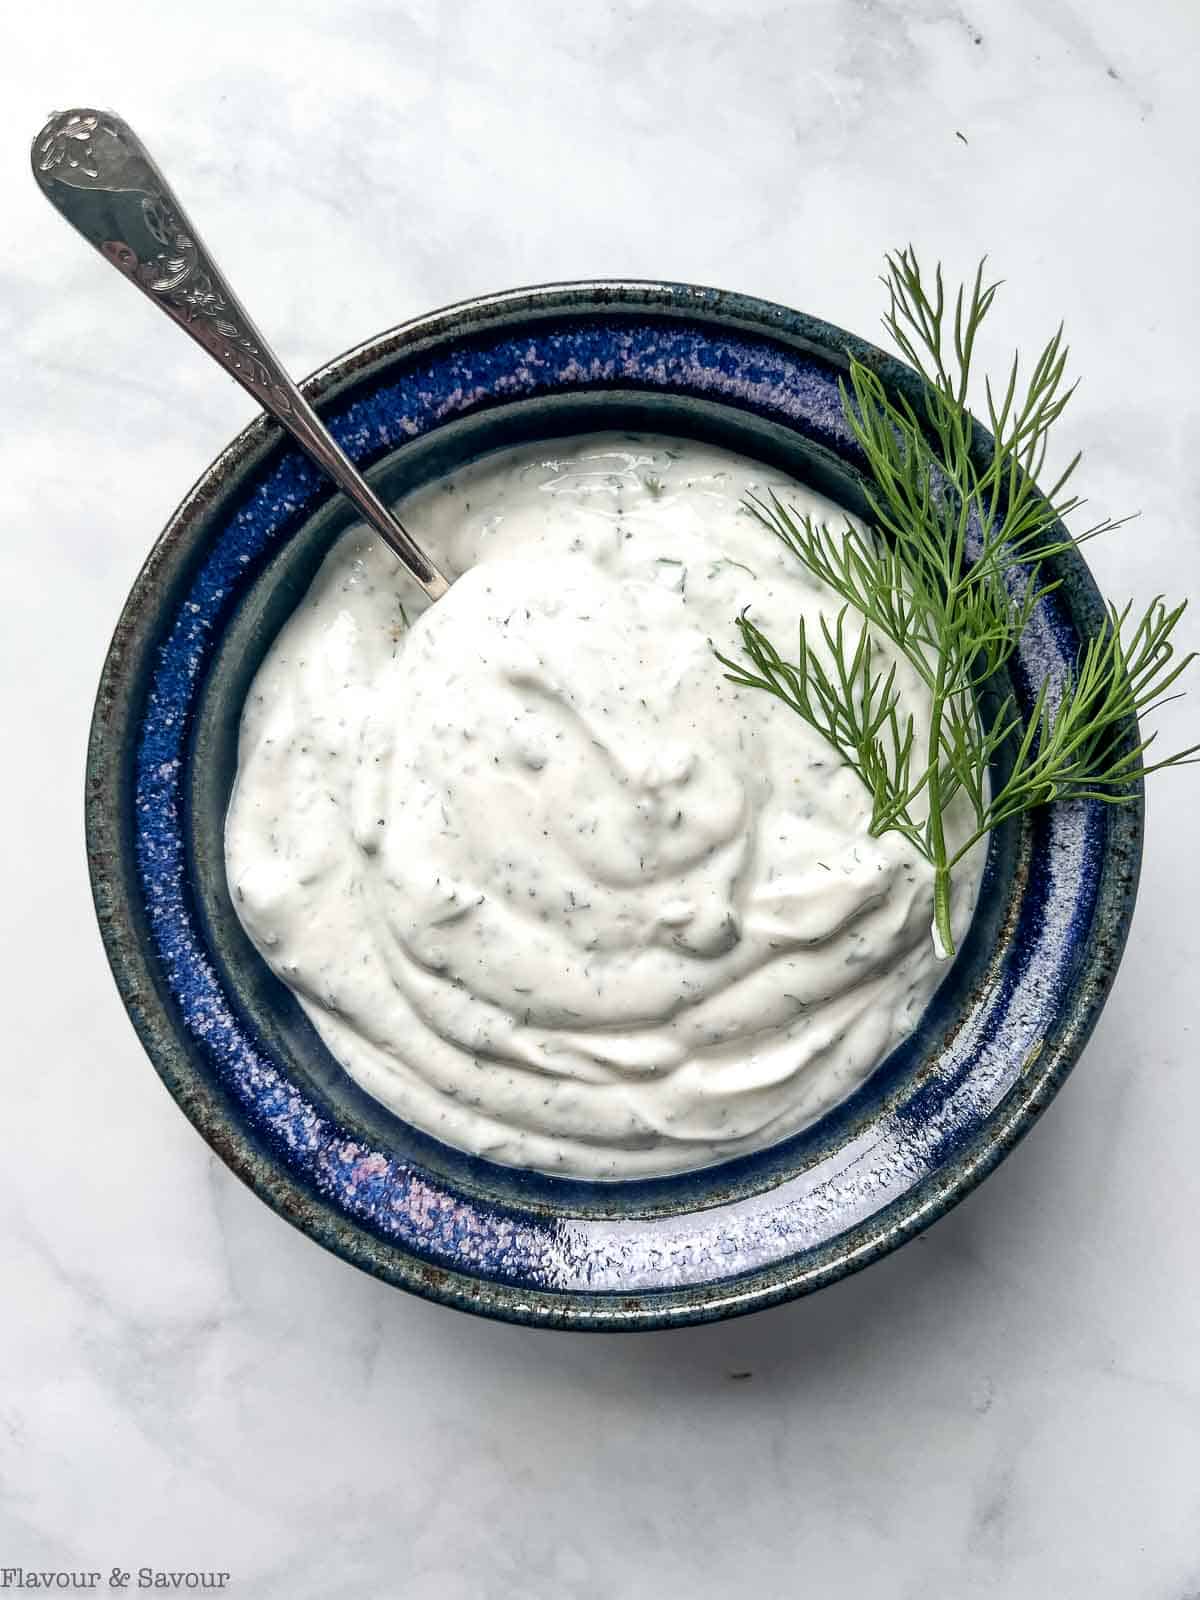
(109, 839)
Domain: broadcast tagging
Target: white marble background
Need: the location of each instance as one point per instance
(1010, 1407)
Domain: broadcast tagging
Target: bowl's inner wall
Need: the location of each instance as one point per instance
(270, 1009)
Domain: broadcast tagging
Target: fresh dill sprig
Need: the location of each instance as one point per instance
(950, 572)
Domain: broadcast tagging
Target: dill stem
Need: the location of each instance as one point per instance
(936, 837)
(941, 913)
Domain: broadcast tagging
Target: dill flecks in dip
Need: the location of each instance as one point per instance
(547, 884)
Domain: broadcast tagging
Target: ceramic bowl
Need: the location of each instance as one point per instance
(231, 1043)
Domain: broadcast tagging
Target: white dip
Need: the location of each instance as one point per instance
(546, 883)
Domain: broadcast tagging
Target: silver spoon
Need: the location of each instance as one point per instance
(94, 169)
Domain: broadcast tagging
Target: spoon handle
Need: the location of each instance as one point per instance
(95, 170)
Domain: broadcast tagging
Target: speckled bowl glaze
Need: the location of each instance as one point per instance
(234, 1048)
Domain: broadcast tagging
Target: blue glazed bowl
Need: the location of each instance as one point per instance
(231, 1043)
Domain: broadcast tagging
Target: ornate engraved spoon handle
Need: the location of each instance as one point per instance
(96, 171)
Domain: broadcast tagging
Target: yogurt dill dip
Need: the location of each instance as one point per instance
(547, 884)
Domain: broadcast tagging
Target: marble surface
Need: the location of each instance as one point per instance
(1010, 1406)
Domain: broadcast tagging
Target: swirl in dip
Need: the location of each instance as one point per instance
(546, 883)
